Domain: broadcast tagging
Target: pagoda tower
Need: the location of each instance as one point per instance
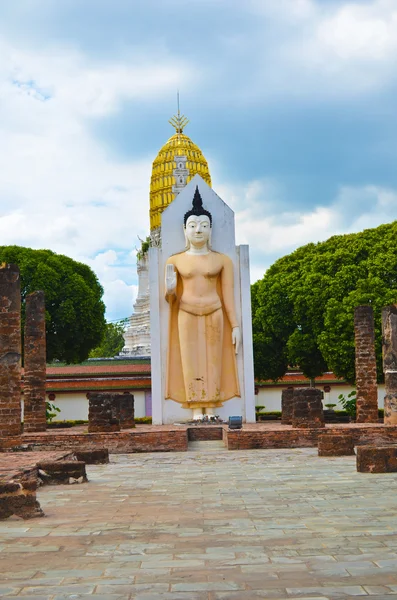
(178, 161)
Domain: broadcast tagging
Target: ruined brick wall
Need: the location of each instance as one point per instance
(373, 459)
(19, 498)
(199, 433)
(10, 356)
(35, 364)
(122, 442)
(367, 389)
(287, 397)
(254, 437)
(247, 439)
(389, 336)
(307, 408)
(103, 412)
(127, 411)
(332, 444)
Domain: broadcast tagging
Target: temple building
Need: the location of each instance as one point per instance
(68, 385)
(178, 161)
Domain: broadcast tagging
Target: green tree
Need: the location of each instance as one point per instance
(303, 308)
(75, 320)
(112, 342)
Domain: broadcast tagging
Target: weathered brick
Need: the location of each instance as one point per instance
(365, 362)
(199, 433)
(19, 498)
(99, 456)
(377, 459)
(335, 444)
(103, 412)
(141, 439)
(307, 408)
(127, 411)
(259, 436)
(58, 472)
(10, 355)
(35, 364)
(287, 401)
(389, 336)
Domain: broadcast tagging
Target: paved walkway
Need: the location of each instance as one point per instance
(209, 525)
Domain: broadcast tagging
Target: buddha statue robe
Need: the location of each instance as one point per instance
(201, 359)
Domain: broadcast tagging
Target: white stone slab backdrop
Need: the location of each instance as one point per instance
(173, 241)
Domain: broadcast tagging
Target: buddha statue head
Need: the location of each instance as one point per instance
(198, 224)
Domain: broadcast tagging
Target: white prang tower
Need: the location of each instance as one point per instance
(137, 335)
(178, 161)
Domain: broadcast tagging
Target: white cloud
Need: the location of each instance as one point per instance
(87, 87)
(327, 49)
(282, 10)
(361, 32)
(59, 188)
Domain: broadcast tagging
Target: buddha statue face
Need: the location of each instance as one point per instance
(198, 231)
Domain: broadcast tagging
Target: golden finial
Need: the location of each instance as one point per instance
(179, 121)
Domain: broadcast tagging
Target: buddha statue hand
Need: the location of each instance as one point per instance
(170, 279)
(236, 338)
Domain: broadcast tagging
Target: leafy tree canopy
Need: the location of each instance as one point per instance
(303, 308)
(112, 342)
(75, 320)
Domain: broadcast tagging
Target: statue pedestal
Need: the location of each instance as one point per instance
(166, 411)
(197, 414)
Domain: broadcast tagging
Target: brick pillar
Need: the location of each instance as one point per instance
(127, 412)
(367, 389)
(307, 410)
(335, 444)
(34, 364)
(287, 398)
(103, 414)
(10, 356)
(389, 337)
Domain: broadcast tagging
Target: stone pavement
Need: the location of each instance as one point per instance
(209, 525)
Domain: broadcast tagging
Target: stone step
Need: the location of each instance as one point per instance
(207, 446)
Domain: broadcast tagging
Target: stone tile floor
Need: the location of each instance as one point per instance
(209, 525)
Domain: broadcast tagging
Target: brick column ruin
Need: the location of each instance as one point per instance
(335, 444)
(287, 398)
(389, 337)
(10, 356)
(35, 364)
(127, 412)
(307, 410)
(103, 412)
(367, 389)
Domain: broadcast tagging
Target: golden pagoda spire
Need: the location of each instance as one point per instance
(175, 165)
(178, 121)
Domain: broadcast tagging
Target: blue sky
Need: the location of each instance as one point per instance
(293, 103)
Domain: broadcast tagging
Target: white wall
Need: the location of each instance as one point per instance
(139, 402)
(74, 405)
(270, 397)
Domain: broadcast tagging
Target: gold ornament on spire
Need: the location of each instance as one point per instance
(179, 121)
